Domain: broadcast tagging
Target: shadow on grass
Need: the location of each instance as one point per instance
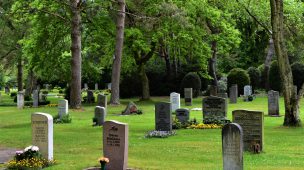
(16, 126)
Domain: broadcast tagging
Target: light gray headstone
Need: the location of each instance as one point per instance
(20, 100)
(247, 90)
(100, 115)
(86, 86)
(63, 107)
(232, 147)
(252, 123)
(35, 98)
(90, 96)
(96, 86)
(102, 100)
(273, 103)
(188, 96)
(183, 115)
(163, 116)
(233, 93)
(214, 108)
(115, 144)
(42, 134)
(109, 85)
(175, 101)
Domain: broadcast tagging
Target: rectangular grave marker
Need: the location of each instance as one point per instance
(20, 100)
(247, 90)
(163, 116)
(90, 96)
(182, 115)
(175, 101)
(233, 93)
(188, 96)
(96, 86)
(63, 107)
(214, 108)
(35, 98)
(252, 123)
(115, 144)
(273, 103)
(100, 115)
(42, 133)
(102, 100)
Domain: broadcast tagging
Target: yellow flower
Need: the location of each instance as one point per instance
(103, 160)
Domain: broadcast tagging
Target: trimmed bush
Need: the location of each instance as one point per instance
(275, 82)
(240, 77)
(297, 73)
(13, 94)
(191, 80)
(254, 75)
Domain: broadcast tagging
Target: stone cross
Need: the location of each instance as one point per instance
(233, 93)
(20, 100)
(175, 101)
(232, 147)
(188, 96)
(163, 116)
(115, 144)
(252, 123)
(100, 115)
(42, 134)
(273, 103)
(63, 107)
(35, 98)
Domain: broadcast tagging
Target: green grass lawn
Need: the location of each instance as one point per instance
(79, 145)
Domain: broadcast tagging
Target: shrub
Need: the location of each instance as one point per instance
(27, 98)
(222, 85)
(297, 73)
(255, 77)
(63, 119)
(240, 77)
(191, 80)
(275, 82)
(261, 68)
(13, 94)
(45, 92)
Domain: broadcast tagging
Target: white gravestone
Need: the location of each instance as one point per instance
(20, 100)
(175, 101)
(63, 107)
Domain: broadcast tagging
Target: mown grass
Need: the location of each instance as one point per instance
(79, 145)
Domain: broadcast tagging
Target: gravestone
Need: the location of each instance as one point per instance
(102, 100)
(131, 108)
(86, 86)
(247, 90)
(96, 86)
(232, 147)
(90, 96)
(42, 134)
(63, 107)
(35, 98)
(20, 100)
(252, 123)
(182, 115)
(273, 103)
(233, 93)
(7, 90)
(109, 85)
(222, 95)
(115, 144)
(100, 115)
(163, 116)
(213, 90)
(188, 96)
(175, 101)
(214, 108)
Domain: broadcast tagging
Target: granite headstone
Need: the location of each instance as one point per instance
(163, 116)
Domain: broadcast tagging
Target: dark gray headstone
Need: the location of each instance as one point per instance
(213, 90)
(115, 144)
(96, 86)
(35, 98)
(102, 100)
(233, 93)
(7, 90)
(188, 96)
(183, 115)
(20, 100)
(252, 123)
(163, 116)
(273, 103)
(90, 96)
(214, 108)
(100, 115)
(232, 147)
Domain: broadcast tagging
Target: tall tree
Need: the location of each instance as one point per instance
(120, 24)
(291, 99)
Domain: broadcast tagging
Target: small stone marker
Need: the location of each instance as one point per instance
(213, 90)
(273, 103)
(100, 115)
(175, 101)
(7, 90)
(252, 123)
(222, 95)
(214, 108)
(86, 86)
(233, 93)
(20, 100)
(182, 115)
(131, 108)
(247, 90)
(109, 85)
(232, 146)
(102, 100)
(63, 107)
(35, 98)
(163, 116)
(42, 134)
(90, 96)
(188, 96)
(96, 86)
(115, 144)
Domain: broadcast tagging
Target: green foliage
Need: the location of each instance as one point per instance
(275, 81)
(297, 73)
(13, 94)
(64, 119)
(191, 80)
(254, 75)
(240, 77)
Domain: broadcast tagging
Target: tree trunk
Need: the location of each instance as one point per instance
(269, 56)
(212, 63)
(31, 83)
(75, 98)
(20, 74)
(118, 53)
(290, 94)
(144, 82)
